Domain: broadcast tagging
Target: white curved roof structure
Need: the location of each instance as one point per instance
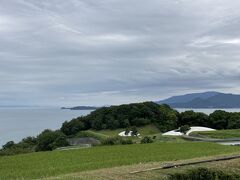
(192, 129)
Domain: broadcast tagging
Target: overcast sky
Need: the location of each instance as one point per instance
(98, 52)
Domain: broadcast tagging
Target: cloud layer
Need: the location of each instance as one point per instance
(88, 52)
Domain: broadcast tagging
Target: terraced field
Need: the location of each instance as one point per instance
(46, 164)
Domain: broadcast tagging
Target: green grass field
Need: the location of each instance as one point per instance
(144, 131)
(220, 134)
(91, 133)
(45, 164)
(124, 172)
(148, 130)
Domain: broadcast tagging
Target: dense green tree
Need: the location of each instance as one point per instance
(234, 121)
(184, 129)
(219, 119)
(124, 123)
(202, 119)
(9, 145)
(27, 145)
(188, 117)
(141, 121)
(29, 140)
(113, 117)
(74, 126)
(113, 124)
(193, 118)
(49, 140)
(97, 124)
(168, 118)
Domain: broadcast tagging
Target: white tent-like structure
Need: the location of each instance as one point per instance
(176, 132)
(123, 134)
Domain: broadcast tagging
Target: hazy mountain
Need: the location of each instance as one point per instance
(204, 100)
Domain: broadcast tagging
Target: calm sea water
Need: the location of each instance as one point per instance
(17, 123)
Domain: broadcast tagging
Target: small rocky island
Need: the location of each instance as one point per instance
(80, 108)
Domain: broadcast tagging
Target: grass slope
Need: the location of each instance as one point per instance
(45, 164)
(144, 131)
(94, 134)
(220, 134)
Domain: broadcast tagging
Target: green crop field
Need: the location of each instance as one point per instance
(45, 164)
(220, 134)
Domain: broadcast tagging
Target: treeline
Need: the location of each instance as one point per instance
(123, 116)
(48, 140)
(140, 114)
(218, 119)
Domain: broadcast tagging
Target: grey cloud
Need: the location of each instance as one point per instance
(80, 52)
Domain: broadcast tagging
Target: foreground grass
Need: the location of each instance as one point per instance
(220, 134)
(124, 172)
(45, 164)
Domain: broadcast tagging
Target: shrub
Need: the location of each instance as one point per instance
(184, 129)
(134, 131)
(146, 140)
(8, 145)
(116, 140)
(27, 145)
(127, 131)
(204, 174)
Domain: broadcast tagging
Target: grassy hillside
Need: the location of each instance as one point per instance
(144, 131)
(148, 130)
(220, 134)
(90, 133)
(45, 164)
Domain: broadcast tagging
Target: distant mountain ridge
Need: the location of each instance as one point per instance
(209, 99)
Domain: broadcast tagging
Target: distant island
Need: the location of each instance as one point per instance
(81, 108)
(203, 100)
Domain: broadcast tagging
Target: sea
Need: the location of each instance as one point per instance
(17, 123)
